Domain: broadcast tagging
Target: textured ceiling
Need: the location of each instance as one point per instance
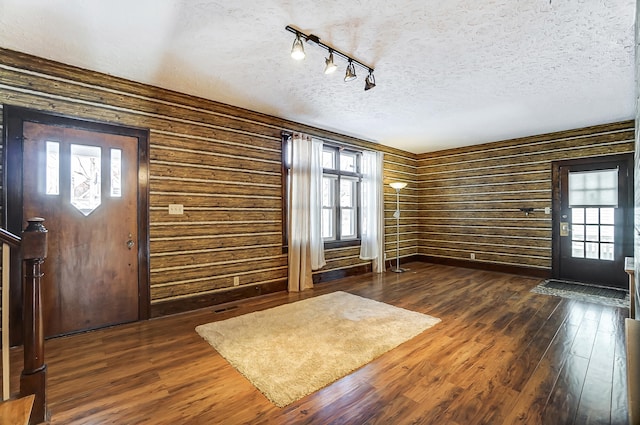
(449, 73)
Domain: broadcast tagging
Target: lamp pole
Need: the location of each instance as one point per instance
(397, 186)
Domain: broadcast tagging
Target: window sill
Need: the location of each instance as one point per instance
(341, 244)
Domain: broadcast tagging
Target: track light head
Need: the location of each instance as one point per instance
(330, 66)
(350, 75)
(370, 81)
(297, 50)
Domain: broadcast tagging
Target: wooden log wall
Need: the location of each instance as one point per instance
(470, 197)
(222, 163)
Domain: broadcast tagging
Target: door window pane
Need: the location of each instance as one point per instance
(592, 215)
(606, 251)
(577, 215)
(599, 233)
(607, 216)
(85, 178)
(577, 232)
(592, 250)
(577, 249)
(53, 168)
(116, 171)
(606, 234)
(592, 233)
(593, 188)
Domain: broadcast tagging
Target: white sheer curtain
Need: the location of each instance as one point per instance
(372, 211)
(306, 247)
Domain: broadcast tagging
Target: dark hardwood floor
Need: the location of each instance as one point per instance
(501, 355)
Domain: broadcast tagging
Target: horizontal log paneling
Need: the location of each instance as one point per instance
(222, 163)
(162, 246)
(187, 170)
(200, 215)
(470, 197)
(210, 200)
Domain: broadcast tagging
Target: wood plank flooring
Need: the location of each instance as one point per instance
(501, 355)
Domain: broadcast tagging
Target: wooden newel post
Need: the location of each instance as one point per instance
(34, 375)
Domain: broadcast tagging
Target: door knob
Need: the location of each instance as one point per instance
(130, 244)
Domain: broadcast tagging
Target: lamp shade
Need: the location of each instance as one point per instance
(297, 50)
(369, 82)
(350, 75)
(330, 65)
(398, 185)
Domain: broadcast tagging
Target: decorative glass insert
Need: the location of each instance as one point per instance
(593, 188)
(116, 173)
(85, 178)
(593, 233)
(53, 168)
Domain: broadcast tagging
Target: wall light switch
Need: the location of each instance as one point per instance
(176, 209)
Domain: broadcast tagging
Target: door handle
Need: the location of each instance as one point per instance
(564, 228)
(130, 244)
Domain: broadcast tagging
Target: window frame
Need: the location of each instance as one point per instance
(337, 174)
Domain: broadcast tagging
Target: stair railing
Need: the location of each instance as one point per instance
(33, 250)
(9, 241)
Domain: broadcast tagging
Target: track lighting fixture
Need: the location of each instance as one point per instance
(350, 75)
(330, 66)
(297, 52)
(370, 81)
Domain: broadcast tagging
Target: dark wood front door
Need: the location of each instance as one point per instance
(593, 224)
(85, 183)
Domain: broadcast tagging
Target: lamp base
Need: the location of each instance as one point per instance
(399, 270)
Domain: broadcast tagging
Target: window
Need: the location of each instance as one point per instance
(592, 233)
(340, 193)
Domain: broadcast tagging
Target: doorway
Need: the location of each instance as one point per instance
(593, 220)
(89, 182)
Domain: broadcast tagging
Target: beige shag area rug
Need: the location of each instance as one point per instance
(296, 349)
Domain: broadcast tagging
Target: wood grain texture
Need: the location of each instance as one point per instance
(501, 355)
(222, 163)
(17, 411)
(469, 198)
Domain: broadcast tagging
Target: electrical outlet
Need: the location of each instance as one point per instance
(176, 209)
(472, 255)
(236, 281)
(547, 210)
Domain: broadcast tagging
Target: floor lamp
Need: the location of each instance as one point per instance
(397, 186)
